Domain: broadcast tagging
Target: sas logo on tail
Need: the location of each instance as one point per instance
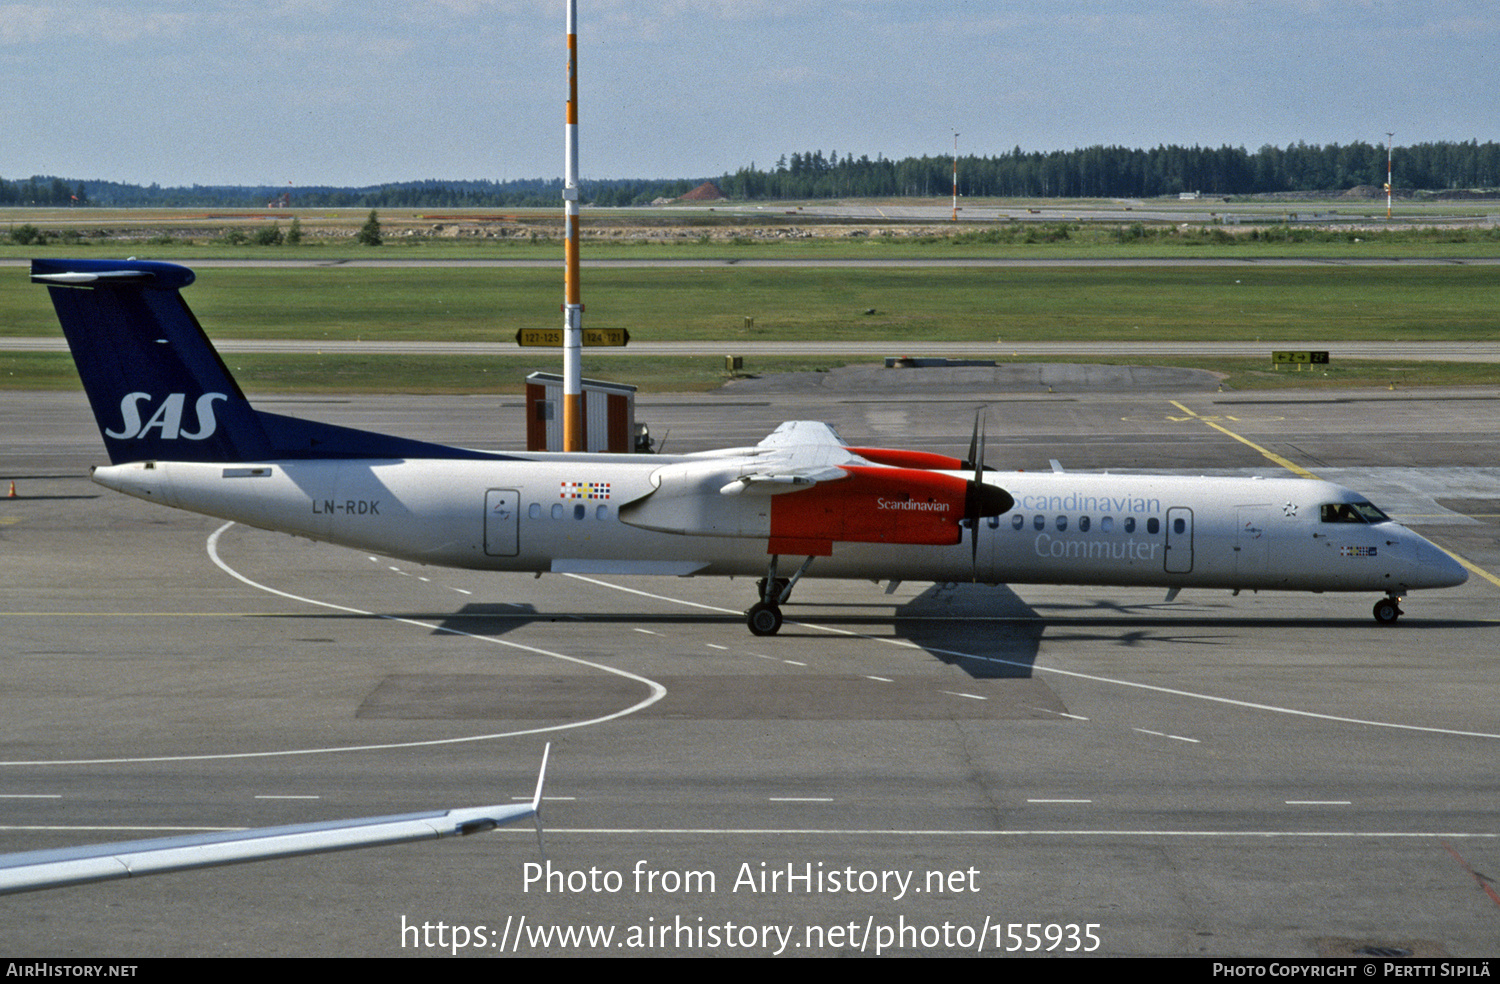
(168, 417)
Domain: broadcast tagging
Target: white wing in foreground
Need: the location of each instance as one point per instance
(32, 870)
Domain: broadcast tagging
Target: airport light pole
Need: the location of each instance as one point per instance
(955, 176)
(572, 409)
(1390, 139)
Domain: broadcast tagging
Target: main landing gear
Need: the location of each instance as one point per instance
(764, 617)
(1388, 609)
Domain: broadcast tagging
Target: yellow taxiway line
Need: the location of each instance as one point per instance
(1301, 472)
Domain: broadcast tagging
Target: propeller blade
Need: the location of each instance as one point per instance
(974, 442)
(976, 453)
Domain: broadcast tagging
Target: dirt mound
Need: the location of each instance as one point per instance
(706, 192)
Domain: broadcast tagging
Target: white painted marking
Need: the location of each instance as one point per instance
(799, 799)
(955, 693)
(715, 646)
(793, 662)
(657, 690)
(880, 679)
(286, 797)
(1319, 803)
(461, 591)
(1038, 668)
(643, 631)
(31, 796)
(1061, 714)
(647, 594)
(1058, 801)
(1163, 734)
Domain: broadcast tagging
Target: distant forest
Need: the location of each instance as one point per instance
(1090, 172)
(1122, 172)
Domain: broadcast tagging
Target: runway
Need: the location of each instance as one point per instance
(942, 769)
(999, 350)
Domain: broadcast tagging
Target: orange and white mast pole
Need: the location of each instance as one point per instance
(573, 301)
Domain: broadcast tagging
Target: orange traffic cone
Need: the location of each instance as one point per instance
(12, 489)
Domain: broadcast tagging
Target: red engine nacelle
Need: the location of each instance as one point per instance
(872, 505)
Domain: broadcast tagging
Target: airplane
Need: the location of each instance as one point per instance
(30, 871)
(179, 431)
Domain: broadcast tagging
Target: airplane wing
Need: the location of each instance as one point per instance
(30, 871)
(802, 433)
(797, 454)
(803, 490)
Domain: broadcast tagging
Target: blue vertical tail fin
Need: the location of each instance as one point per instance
(158, 388)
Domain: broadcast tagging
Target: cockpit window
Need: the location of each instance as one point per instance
(1352, 512)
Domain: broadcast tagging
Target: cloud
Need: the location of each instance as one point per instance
(32, 24)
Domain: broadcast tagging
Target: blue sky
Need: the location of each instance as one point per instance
(352, 93)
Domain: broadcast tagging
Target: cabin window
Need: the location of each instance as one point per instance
(1062, 523)
(580, 511)
(535, 512)
(1107, 525)
(557, 510)
(994, 522)
(1017, 521)
(602, 512)
(1129, 524)
(1083, 524)
(1179, 526)
(1153, 526)
(1039, 523)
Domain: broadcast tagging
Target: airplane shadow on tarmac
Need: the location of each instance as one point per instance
(990, 632)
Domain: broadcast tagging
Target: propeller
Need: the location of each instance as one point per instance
(981, 500)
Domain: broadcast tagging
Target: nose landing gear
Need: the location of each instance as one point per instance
(1388, 609)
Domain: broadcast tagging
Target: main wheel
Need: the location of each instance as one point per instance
(1387, 611)
(763, 618)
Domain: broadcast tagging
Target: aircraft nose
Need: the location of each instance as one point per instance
(1437, 568)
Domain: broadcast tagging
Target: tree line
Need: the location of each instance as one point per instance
(429, 193)
(1089, 172)
(1124, 172)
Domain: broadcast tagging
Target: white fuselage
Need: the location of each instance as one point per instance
(563, 513)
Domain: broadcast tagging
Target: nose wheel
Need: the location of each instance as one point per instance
(1387, 610)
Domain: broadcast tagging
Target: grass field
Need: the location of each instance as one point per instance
(1287, 306)
(1271, 304)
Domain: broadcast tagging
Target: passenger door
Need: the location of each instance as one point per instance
(502, 522)
(1179, 557)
